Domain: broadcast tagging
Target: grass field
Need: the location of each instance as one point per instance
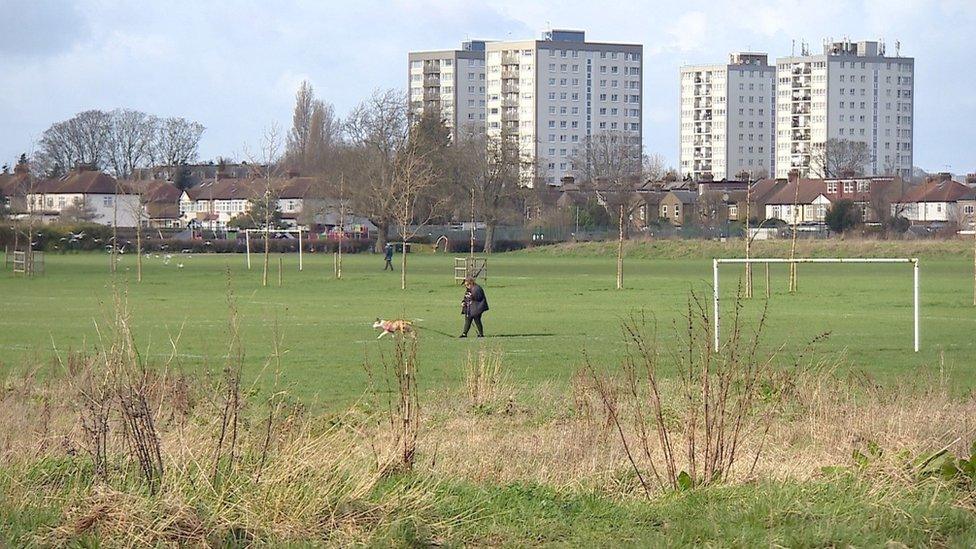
(547, 307)
(844, 461)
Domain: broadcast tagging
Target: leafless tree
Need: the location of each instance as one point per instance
(378, 131)
(130, 139)
(611, 164)
(265, 205)
(82, 139)
(840, 158)
(176, 141)
(413, 178)
(489, 171)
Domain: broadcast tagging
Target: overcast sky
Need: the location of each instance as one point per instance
(235, 65)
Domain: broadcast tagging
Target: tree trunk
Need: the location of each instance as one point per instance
(264, 274)
(489, 238)
(620, 250)
(403, 266)
(139, 248)
(381, 229)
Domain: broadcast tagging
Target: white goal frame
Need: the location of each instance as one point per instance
(247, 242)
(717, 262)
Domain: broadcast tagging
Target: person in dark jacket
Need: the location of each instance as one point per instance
(473, 305)
(389, 257)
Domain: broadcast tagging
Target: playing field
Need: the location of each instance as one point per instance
(545, 312)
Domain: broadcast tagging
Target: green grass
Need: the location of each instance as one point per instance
(546, 308)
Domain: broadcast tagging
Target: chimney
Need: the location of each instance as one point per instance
(85, 167)
(971, 179)
(793, 176)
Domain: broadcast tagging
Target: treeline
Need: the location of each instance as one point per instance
(120, 142)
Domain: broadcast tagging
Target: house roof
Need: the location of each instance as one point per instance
(938, 191)
(764, 189)
(156, 190)
(81, 182)
(686, 197)
(245, 189)
(14, 184)
(809, 190)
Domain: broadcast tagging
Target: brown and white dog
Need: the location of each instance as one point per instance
(393, 326)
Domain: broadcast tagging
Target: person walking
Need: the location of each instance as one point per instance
(473, 305)
(388, 257)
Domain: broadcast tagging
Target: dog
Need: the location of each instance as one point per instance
(393, 326)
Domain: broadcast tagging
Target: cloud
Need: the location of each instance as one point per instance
(234, 64)
(40, 27)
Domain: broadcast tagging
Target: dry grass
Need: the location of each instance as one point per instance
(294, 477)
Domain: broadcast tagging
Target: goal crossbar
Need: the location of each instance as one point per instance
(912, 260)
(247, 242)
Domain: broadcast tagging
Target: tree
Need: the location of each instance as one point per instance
(78, 212)
(413, 177)
(840, 158)
(82, 139)
(842, 216)
(130, 140)
(610, 164)
(377, 130)
(263, 209)
(487, 171)
(176, 142)
(315, 133)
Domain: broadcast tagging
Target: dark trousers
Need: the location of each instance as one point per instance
(477, 324)
(389, 264)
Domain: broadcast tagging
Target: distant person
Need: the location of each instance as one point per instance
(389, 257)
(473, 305)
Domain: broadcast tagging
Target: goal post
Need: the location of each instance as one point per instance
(247, 242)
(913, 261)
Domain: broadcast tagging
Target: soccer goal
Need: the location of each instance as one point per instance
(715, 281)
(247, 241)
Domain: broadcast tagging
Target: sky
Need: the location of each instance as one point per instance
(234, 65)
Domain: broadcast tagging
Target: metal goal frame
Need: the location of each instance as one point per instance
(715, 281)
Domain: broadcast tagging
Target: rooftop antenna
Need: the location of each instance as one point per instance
(793, 48)
(897, 48)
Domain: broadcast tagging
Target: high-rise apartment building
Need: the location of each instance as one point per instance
(852, 92)
(451, 82)
(552, 95)
(728, 119)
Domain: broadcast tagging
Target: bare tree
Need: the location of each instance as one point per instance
(840, 158)
(378, 131)
(130, 139)
(176, 142)
(298, 137)
(82, 139)
(496, 186)
(264, 206)
(611, 163)
(413, 178)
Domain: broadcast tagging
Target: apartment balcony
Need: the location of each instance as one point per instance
(799, 121)
(799, 149)
(802, 82)
(703, 128)
(800, 135)
(508, 102)
(432, 94)
(703, 116)
(801, 96)
(510, 75)
(703, 141)
(510, 59)
(703, 90)
(800, 108)
(703, 104)
(432, 81)
(801, 70)
(510, 88)
(431, 67)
